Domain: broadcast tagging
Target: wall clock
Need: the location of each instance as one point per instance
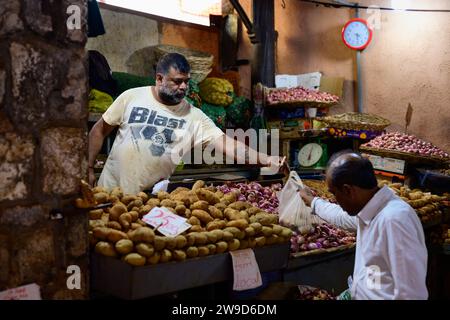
(357, 34)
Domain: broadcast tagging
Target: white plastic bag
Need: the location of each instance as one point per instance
(293, 212)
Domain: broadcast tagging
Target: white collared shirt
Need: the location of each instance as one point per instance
(391, 256)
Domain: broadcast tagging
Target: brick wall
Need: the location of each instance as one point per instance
(43, 145)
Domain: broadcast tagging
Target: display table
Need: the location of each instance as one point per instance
(114, 277)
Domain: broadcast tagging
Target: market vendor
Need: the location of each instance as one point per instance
(155, 124)
(391, 256)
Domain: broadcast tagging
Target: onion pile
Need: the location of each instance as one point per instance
(407, 143)
(300, 94)
(321, 236)
(258, 196)
(315, 294)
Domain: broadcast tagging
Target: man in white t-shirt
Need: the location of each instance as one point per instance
(391, 256)
(156, 127)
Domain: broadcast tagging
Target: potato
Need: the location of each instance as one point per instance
(117, 192)
(272, 239)
(159, 243)
(134, 215)
(113, 199)
(171, 243)
(240, 224)
(219, 194)
(124, 246)
(180, 209)
(179, 255)
(125, 220)
(194, 221)
(260, 241)
(105, 217)
(218, 234)
(228, 198)
(98, 224)
(198, 184)
(135, 205)
(212, 248)
(154, 259)
(256, 226)
(235, 231)
(143, 196)
(211, 237)
(199, 205)
(135, 259)
(187, 213)
(116, 235)
(101, 197)
(221, 206)
(127, 199)
(143, 234)
(232, 214)
(266, 231)
(179, 190)
(266, 219)
(203, 251)
(234, 244)
(166, 256)
(201, 238)
(135, 226)
(251, 242)
(180, 241)
(95, 214)
(163, 195)
(253, 210)
(142, 223)
(238, 205)
(116, 211)
(250, 232)
(204, 194)
(190, 237)
(216, 224)
(145, 249)
(202, 215)
(101, 233)
(227, 236)
(153, 202)
(215, 212)
(192, 252)
(282, 239)
(243, 244)
(114, 225)
(277, 229)
(286, 233)
(99, 189)
(168, 203)
(221, 246)
(197, 228)
(105, 248)
(144, 210)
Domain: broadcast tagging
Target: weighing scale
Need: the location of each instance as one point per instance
(313, 155)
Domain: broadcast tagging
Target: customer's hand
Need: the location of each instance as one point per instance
(307, 195)
(274, 164)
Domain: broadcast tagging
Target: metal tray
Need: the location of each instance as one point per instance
(117, 278)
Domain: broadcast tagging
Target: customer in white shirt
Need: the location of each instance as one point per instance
(391, 256)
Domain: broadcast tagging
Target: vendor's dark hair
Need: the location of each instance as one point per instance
(174, 60)
(354, 170)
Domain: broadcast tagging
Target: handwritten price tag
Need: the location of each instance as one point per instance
(28, 292)
(245, 269)
(166, 222)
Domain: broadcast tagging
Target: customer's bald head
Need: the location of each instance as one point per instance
(352, 169)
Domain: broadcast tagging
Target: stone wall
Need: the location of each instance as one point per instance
(43, 144)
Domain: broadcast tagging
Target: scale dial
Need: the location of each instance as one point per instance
(310, 154)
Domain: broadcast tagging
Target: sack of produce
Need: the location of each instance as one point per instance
(217, 114)
(192, 94)
(239, 111)
(216, 91)
(99, 101)
(293, 212)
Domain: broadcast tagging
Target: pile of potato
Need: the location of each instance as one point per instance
(427, 205)
(219, 222)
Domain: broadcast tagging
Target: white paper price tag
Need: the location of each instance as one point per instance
(28, 292)
(246, 273)
(166, 222)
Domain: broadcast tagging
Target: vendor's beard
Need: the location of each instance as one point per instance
(171, 97)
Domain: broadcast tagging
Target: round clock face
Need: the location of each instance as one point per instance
(310, 154)
(357, 34)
